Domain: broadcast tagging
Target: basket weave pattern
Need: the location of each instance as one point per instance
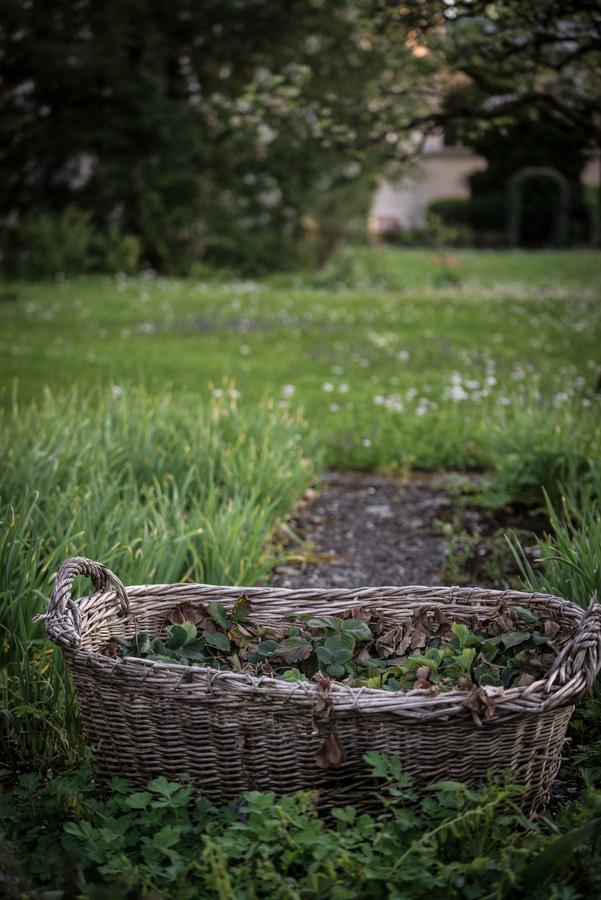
(229, 732)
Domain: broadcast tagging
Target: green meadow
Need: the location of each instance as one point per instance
(395, 356)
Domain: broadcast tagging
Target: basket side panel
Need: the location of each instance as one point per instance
(226, 744)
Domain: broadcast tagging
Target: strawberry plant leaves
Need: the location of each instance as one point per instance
(338, 642)
(525, 615)
(336, 670)
(218, 640)
(324, 622)
(219, 615)
(406, 655)
(267, 648)
(324, 655)
(294, 649)
(357, 629)
(461, 632)
(293, 675)
(180, 635)
(513, 638)
(241, 609)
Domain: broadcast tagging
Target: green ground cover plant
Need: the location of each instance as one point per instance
(450, 841)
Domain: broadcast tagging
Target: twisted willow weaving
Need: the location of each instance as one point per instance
(229, 732)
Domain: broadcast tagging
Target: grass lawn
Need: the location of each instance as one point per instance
(396, 356)
(172, 445)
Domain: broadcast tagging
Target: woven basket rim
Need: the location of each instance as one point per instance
(417, 702)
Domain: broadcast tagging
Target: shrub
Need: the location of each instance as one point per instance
(116, 252)
(452, 210)
(44, 244)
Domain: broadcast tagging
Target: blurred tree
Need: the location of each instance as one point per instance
(210, 130)
(533, 70)
(205, 129)
(543, 54)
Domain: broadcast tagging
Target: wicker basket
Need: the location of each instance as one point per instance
(230, 732)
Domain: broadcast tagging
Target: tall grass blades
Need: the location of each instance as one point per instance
(156, 487)
(569, 563)
(535, 445)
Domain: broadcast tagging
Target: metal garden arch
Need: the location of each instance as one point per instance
(515, 203)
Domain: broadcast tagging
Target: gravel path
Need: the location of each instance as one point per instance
(367, 529)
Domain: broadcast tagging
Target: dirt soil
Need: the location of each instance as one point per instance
(365, 529)
(369, 529)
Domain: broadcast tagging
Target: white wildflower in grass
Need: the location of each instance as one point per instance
(217, 392)
(491, 380)
(456, 392)
(244, 349)
(366, 442)
(333, 407)
(328, 387)
(343, 388)
(233, 393)
(288, 390)
(403, 356)
(393, 402)
(117, 390)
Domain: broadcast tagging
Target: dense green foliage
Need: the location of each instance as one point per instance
(207, 131)
(453, 842)
(529, 141)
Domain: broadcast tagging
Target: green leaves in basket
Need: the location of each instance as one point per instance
(355, 628)
(294, 649)
(513, 638)
(218, 640)
(241, 609)
(336, 654)
(180, 635)
(219, 615)
(423, 652)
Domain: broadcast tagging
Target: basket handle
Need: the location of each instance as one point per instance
(62, 616)
(576, 668)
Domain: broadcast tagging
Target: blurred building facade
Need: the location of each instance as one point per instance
(440, 172)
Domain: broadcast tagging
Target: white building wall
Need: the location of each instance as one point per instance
(441, 173)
